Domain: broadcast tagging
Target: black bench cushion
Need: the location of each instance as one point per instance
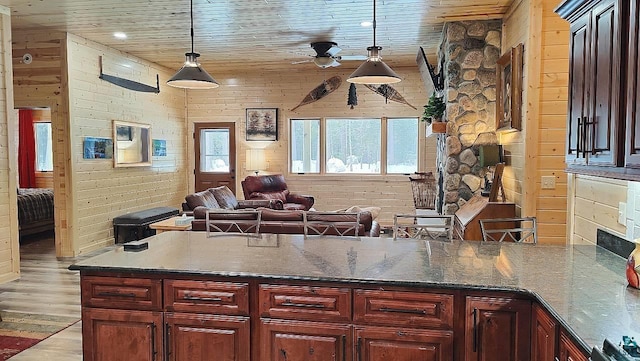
(146, 216)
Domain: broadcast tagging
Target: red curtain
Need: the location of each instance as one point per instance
(26, 150)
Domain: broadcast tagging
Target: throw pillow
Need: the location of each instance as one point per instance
(375, 211)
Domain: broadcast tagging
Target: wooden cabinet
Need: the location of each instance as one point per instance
(403, 344)
(497, 329)
(467, 218)
(632, 151)
(126, 318)
(116, 335)
(544, 335)
(289, 340)
(569, 351)
(199, 336)
(161, 318)
(595, 88)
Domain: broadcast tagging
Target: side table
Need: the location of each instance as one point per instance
(169, 225)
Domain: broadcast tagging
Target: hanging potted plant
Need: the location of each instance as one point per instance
(433, 113)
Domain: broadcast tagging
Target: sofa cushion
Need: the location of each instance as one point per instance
(203, 199)
(294, 206)
(225, 197)
(280, 215)
(280, 195)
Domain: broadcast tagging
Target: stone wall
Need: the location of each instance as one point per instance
(470, 50)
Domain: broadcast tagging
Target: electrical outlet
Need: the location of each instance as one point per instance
(548, 182)
(622, 213)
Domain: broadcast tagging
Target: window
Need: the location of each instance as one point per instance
(305, 146)
(402, 145)
(214, 150)
(354, 145)
(44, 148)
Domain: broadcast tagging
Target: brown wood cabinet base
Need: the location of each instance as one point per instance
(258, 319)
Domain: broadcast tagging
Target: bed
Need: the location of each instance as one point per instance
(35, 210)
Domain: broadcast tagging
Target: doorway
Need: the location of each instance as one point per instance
(215, 158)
(35, 200)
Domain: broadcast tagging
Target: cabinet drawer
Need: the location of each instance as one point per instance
(408, 309)
(207, 297)
(123, 293)
(305, 303)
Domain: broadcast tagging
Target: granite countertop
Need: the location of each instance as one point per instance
(584, 285)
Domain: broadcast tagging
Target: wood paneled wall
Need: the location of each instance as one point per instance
(284, 90)
(9, 253)
(101, 192)
(538, 150)
(595, 205)
(43, 84)
(513, 143)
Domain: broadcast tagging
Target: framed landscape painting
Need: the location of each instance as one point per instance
(509, 90)
(262, 124)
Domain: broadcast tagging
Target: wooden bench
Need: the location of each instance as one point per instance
(134, 226)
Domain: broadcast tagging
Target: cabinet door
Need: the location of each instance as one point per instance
(497, 329)
(632, 158)
(544, 333)
(569, 351)
(196, 337)
(285, 340)
(578, 91)
(403, 344)
(604, 71)
(116, 335)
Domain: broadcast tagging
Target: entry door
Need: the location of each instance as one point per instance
(215, 147)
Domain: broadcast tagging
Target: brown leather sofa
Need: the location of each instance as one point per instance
(291, 222)
(274, 187)
(223, 198)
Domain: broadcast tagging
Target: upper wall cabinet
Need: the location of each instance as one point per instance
(632, 158)
(603, 137)
(594, 77)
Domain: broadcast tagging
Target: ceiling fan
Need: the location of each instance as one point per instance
(326, 55)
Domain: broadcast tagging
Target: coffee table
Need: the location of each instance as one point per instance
(169, 224)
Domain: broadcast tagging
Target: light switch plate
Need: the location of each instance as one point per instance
(622, 213)
(548, 182)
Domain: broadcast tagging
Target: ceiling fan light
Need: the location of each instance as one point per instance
(374, 70)
(324, 61)
(192, 75)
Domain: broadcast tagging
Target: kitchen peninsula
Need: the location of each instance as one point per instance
(286, 297)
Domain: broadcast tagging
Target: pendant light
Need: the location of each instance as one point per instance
(374, 70)
(192, 75)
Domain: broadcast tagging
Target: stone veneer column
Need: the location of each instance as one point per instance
(468, 52)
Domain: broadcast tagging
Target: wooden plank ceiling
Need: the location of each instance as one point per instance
(236, 34)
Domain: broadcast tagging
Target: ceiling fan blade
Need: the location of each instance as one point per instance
(335, 63)
(302, 61)
(333, 51)
(352, 57)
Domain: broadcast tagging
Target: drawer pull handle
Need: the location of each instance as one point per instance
(305, 305)
(208, 299)
(117, 294)
(401, 310)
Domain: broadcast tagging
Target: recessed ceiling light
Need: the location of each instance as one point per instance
(120, 35)
(366, 23)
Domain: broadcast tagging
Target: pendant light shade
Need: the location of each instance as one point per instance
(374, 70)
(192, 75)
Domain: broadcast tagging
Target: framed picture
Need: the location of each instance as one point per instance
(509, 90)
(262, 124)
(97, 148)
(159, 148)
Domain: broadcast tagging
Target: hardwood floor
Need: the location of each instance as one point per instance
(46, 287)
